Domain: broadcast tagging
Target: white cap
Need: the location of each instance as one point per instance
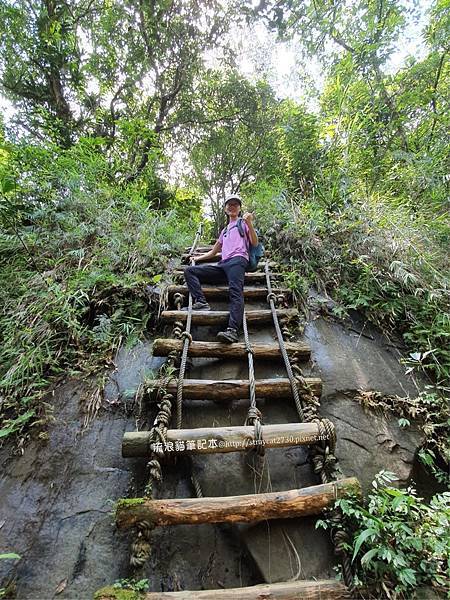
(233, 197)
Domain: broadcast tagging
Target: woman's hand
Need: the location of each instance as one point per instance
(248, 218)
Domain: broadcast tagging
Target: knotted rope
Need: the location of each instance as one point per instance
(186, 335)
(254, 416)
(141, 548)
(187, 340)
(271, 297)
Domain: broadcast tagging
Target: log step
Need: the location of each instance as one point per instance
(217, 257)
(234, 389)
(235, 509)
(325, 589)
(199, 249)
(256, 277)
(218, 291)
(219, 317)
(163, 347)
(212, 440)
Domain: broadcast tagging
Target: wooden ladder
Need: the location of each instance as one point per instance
(247, 508)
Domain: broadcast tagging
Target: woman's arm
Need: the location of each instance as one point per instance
(214, 250)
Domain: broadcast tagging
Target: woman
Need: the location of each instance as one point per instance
(231, 268)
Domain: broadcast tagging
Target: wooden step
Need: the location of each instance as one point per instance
(212, 440)
(250, 278)
(234, 389)
(220, 317)
(199, 249)
(322, 589)
(163, 347)
(235, 509)
(217, 257)
(218, 291)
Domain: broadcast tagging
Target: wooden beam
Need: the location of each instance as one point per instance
(219, 291)
(235, 509)
(217, 317)
(323, 589)
(256, 277)
(199, 249)
(163, 347)
(234, 389)
(212, 440)
(217, 257)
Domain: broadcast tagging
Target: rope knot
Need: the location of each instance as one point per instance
(186, 335)
(178, 300)
(253, 414)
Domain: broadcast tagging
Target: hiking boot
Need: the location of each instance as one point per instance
(230, 335)
(198, 305)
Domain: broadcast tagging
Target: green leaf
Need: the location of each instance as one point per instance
(369, 555)
(16, 423)
(10, 556)
(362, 537)
(407, 576)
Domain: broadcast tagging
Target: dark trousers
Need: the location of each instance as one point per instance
(231, 271)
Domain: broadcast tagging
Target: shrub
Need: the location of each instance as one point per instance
(398, 542)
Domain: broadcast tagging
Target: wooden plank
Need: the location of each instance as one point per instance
(235, 509)
(217, 257)
(234, 389)
(163, 347)
(199, 249)
(218, 317)
(250, 278)
(212, 440)
(219, 291)
(325, 589)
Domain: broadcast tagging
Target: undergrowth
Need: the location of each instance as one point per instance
(76, 253)
(387, 263)
(398, 542)
(372, 257)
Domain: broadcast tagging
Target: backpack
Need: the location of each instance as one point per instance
(255, 253)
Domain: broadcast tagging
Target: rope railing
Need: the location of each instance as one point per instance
(271, 297)
(254, 416)
(322, 454)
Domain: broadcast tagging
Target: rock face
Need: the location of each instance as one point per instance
(354, 357)
(56, 499)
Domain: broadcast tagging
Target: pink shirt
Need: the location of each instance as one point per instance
(233, 244)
